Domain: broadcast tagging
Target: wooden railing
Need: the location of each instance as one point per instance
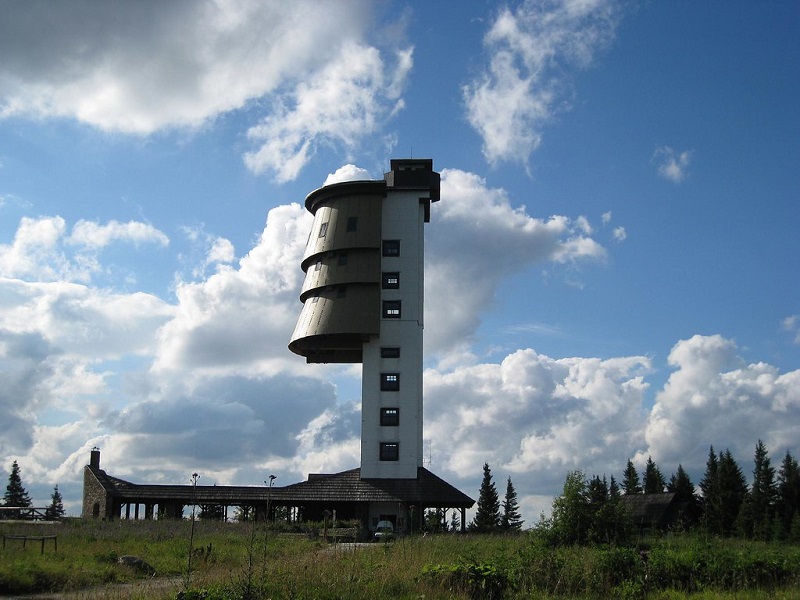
(23, 513)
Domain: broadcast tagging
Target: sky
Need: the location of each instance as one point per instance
(611, 272)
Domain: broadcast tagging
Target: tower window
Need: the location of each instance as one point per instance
(390, 451)
(342, 259)
(390, 382)
(390, 352)
(391, 247)
(390, 417)
(318, 264)
(323, 229)
(352, 223)
(341, 292)
(391, 309)
(390, 281)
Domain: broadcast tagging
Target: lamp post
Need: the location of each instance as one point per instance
(272, 478)
(195, 477)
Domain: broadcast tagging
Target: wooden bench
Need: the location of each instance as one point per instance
(32, 538)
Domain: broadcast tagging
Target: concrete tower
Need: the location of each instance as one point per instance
(363, 302)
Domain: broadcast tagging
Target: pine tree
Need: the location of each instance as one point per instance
(487, 517)
(755, 519)
(455, 522)
(15, 493)
(630, 480)
(788, 496)
(56, 509)
(733, 489)
(511, 520)
(712, 495)
(654, 482)
(681, 485)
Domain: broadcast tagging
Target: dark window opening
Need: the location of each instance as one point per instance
(341, 292)
(323, 229)
(342, 259)
(387, 352)
(390, 417)
(391, 309)
(390, 382)
(390, 281)
(390, 451)
(352, 223)
(391, 247)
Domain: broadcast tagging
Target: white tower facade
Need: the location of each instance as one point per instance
(363, 299)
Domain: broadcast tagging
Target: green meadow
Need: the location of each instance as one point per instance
(240, 561)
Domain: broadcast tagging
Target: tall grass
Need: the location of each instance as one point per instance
(231, 563)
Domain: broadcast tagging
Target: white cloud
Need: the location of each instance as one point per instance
(93, 235)
(473, 255)
(619, 234)
(346, 100)
(234, 319)
(138, 67)
(536, 417)
(346, 173)
(792, 325)
(606, 218)
(526, 82)
(713, 393)
(672, 165)
(42, 251)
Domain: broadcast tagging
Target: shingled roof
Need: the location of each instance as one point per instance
(347, 486)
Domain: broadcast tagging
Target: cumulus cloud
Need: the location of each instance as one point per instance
(714, 392)
(530, 51)
(619, 234)
(346, 100)
(535, 415)
(478, 238)
(42, 250)
(346, 173)
(233, 319)
(138, 67)
(672, 165)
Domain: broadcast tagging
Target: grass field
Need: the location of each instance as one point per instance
(232, 562)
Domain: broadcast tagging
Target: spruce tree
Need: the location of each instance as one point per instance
(788, 496)
(681, 485)
(733, 489)
(654, 482)
(15, 492)
(511, 520)
(630, 480)
(487, 517)
(56, 509)
(712, 495)
(755, 519)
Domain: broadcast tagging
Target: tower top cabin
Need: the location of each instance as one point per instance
(361, 231)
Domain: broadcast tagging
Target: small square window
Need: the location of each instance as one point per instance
(390, 382)
(390, 281)
(391, 247)
(315, 299)
(390, 451)
(352, 224)
(387, 352)
(323, 229)
(342, 259)
(391, 309)
(390, 417)
(318, 264)
(341, 292)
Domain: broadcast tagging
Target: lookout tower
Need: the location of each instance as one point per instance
(363, 298)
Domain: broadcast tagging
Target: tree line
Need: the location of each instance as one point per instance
(593, 510)
(16, 496)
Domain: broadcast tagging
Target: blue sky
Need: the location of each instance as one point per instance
(611, 272)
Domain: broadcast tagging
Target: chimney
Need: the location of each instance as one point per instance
(94, 461)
